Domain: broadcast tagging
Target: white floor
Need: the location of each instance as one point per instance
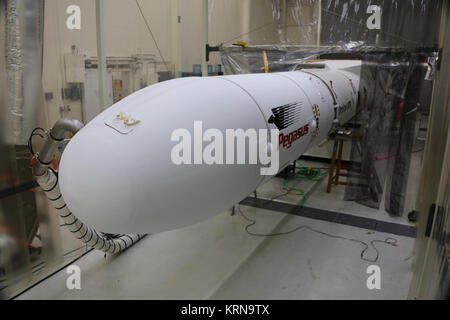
(218, 259)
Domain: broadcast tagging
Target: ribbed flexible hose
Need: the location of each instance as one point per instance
(48, 180)
(49, 183)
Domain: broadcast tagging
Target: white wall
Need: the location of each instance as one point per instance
(180, 43)
(125, 35)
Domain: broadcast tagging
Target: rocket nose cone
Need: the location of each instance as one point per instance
(123, 179)
(95, 186)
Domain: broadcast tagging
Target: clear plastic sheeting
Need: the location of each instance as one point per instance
(384, 129)
(24, 27)
(296, 21)
(396, 23)
(291, 30)
(393, 99)
(407, 145)
(394, 40)
(237, 60)
(402, 23)
(386, 80)
(30, 240)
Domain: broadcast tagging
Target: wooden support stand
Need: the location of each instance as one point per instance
(336, 163)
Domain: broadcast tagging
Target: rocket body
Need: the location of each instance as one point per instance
(118, 175)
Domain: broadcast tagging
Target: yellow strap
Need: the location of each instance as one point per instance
(266, 62)
(242, 44)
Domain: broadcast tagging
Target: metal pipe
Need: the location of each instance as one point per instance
(319, 23)
(64, 125)
(175, 35)
(101, 67)
(284, 16)
(205, 37)
(55, 136)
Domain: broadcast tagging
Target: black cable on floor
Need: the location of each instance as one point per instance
(391, 241)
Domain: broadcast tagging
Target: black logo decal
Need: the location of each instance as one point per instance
(285, 115)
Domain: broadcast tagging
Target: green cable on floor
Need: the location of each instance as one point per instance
(312, 174)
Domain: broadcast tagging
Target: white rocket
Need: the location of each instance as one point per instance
(117, 173)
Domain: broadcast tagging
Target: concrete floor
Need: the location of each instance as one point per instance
(307, 265)
(217, 258)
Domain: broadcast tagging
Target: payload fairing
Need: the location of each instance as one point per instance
(117, 173)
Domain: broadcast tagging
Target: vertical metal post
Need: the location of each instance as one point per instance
(284, 15)
(246, 26)
(174, 18)
(101, 57)
(319, 23)
(205, 37)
